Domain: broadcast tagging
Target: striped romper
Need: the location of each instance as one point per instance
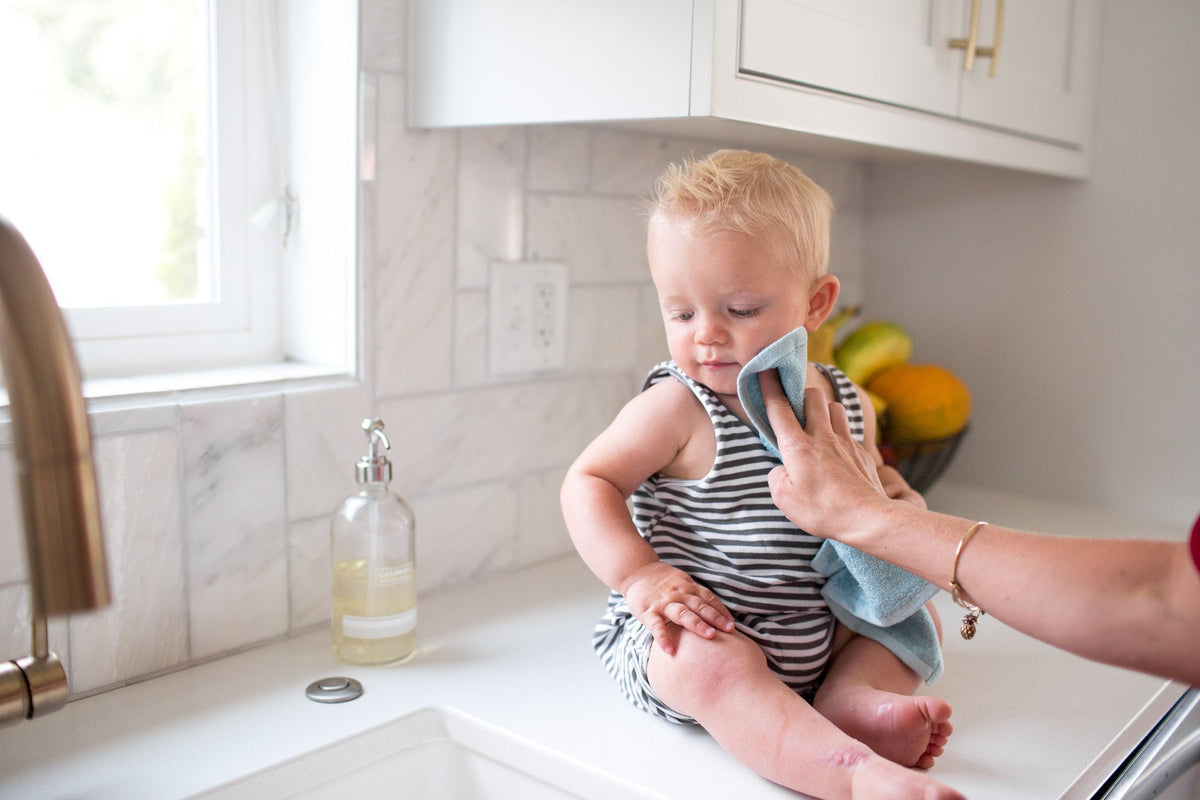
(726, 533)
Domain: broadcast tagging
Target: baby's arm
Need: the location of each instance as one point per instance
(646, 437)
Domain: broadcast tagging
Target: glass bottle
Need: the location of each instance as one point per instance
(374, 565)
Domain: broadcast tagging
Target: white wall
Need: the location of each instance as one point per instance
(1069, 308)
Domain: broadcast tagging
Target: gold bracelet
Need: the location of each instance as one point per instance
(974, 612)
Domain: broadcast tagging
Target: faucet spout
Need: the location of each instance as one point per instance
(56, 477)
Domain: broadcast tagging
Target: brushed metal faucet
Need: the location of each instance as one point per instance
(56, 478)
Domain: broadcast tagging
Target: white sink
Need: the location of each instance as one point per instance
(431, 753)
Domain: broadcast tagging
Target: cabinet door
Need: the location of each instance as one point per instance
(1046, 69)
(483, 62)
(891, 51)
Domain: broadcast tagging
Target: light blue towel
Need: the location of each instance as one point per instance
(789, 355)
(870, 596)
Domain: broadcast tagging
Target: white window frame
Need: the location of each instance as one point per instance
(262, 327)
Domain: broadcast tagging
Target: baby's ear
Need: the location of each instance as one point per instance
(821, 301)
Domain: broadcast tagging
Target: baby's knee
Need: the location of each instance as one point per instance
(701, 670)
(937, 619)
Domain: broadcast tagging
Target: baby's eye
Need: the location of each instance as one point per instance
(743, 313)
(682, 316)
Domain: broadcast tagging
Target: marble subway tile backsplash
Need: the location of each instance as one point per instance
(216, 508)
(145, 629)
(410, 277)
(233, 501)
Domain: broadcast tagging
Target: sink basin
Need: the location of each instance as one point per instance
(430, 753)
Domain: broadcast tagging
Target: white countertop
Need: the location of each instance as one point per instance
(515, 652)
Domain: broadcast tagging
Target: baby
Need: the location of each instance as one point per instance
(716, 615)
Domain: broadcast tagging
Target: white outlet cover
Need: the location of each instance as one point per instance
(527, 316)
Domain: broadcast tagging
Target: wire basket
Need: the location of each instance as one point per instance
(922, 463)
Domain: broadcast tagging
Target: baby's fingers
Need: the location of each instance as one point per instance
(698, 617)
(714, 612)
(661, 632)
(686, 618)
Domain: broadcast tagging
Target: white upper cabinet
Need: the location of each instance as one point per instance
(800, 73)
(892, 51)
(1038, 79)
(485, 62)
(1045, 79)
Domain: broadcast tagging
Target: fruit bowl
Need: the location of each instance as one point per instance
(921, 463)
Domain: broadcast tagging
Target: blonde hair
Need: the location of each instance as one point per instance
(752, 193)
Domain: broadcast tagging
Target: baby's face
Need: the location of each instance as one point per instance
(724, 297)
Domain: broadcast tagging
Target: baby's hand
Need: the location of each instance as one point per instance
(908, 495)
(662, 597)
(898, 489)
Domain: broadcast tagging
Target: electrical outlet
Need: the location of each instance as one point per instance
(527, 317)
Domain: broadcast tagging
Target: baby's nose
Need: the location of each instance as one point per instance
(710, 331)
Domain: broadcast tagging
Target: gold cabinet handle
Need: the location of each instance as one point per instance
(971, 43)
(994, 50)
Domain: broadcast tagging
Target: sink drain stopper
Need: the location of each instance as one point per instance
(333, 690)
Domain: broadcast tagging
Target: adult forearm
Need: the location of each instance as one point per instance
(1133, 603)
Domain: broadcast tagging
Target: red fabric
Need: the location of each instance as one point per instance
(1195, 543)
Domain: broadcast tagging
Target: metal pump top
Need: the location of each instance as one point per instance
(374, 467)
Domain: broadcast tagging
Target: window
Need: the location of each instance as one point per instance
(151, 170)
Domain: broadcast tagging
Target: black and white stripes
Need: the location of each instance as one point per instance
(725, 531)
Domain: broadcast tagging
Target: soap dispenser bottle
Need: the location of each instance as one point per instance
(374, 560)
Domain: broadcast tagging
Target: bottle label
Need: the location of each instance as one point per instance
(394, 573)
(379, 627)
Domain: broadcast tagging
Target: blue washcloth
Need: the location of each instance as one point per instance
(789, 355)
(913, 640)
(866, 593)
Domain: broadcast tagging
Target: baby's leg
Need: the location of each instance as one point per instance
(726, 685)
(868, 693)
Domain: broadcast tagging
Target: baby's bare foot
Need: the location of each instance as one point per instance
(880, 779)
(911, 731)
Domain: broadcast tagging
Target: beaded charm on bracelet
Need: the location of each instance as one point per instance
(974, 612)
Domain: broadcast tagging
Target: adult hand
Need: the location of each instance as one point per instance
(826, 475)
(1130, 602)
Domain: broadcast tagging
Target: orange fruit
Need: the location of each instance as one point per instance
(924, 401)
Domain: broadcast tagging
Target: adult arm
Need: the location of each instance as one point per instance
(1131, 603)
